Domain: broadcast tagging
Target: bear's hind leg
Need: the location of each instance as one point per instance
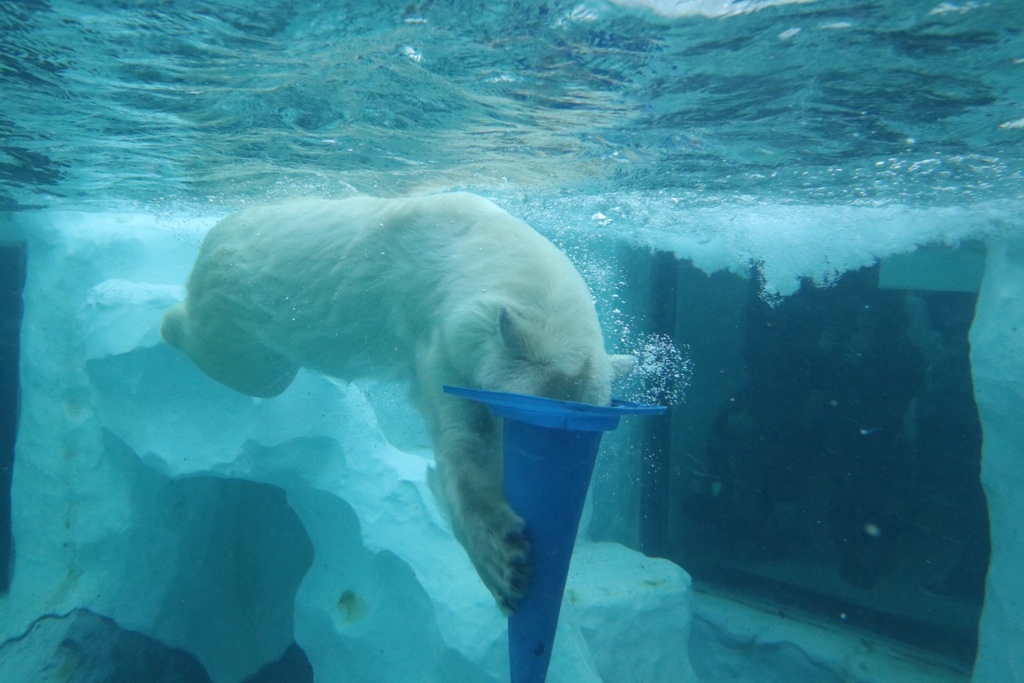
(228, 354)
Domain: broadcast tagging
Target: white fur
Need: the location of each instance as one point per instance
(435, 290)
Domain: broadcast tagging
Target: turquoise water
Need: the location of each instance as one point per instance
(792, 140)
(917, 102)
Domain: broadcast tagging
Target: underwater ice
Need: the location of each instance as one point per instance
(229, 527)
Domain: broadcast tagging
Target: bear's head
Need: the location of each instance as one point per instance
(559, 357)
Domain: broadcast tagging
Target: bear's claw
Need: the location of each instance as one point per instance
(502, 557)
(515, 575)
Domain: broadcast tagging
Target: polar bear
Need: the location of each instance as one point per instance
(435, 290)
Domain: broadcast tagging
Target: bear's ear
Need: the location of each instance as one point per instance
(623, 365)
(510, 331)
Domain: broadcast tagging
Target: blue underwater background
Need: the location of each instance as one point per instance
(783, 207)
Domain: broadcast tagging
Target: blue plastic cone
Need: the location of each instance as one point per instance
(550, 448)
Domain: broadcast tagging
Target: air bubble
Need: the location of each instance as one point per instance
(662, 373)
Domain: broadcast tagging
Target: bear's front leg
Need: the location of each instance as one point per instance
(469, 462)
